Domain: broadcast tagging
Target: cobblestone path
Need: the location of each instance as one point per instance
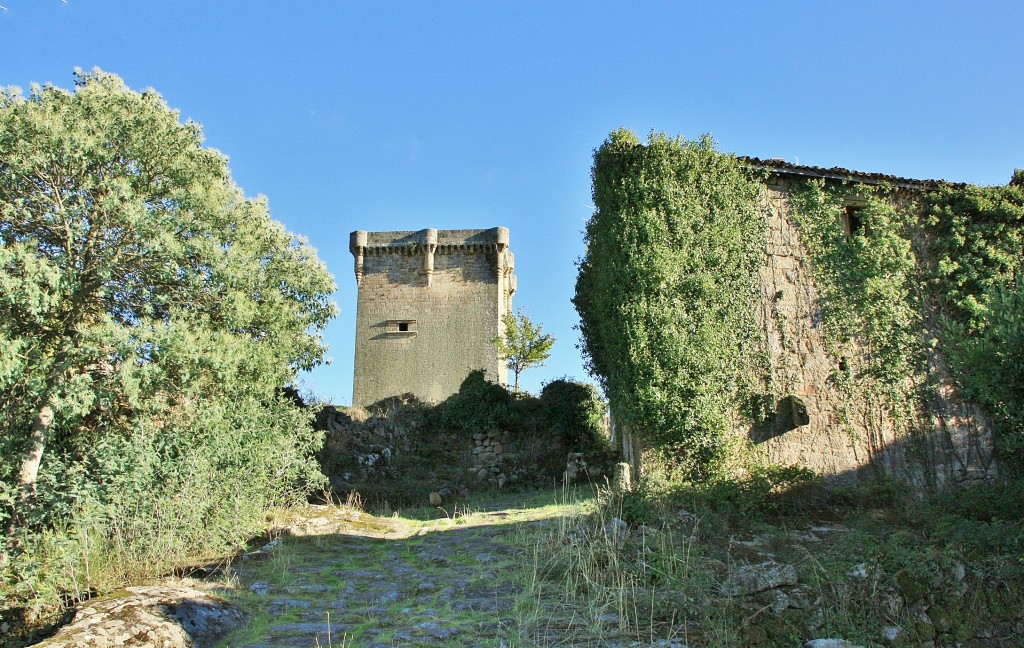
(344, 578)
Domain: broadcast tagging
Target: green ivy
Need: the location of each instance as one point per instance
(868, 283)
(574, 411)
(977, 243)
(666, 291)
(944, 264)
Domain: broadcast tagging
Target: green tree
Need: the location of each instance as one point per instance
(141, 290)
(522, 345)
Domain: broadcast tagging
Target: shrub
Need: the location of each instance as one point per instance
(763, 489)
(665, 292)
(988, 360)
(479, 405)
(574, 411)
(1003, 500)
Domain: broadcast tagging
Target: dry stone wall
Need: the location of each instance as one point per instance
(492, 455)
(838, 437)
(396, 455)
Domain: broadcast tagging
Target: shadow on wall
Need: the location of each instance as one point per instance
(776, 417)
(956, 449)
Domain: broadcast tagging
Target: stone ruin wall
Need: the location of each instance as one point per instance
(430, 304)
(375, 450)
(845, 440)
(492, 454)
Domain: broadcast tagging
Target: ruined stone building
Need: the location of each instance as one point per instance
(430, 305)
(816, 424)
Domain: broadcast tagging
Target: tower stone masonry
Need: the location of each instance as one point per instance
(429, 307)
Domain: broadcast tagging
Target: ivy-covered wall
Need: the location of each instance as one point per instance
(850, 333)
(736, 310)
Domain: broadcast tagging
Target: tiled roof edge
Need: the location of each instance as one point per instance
(781, 167)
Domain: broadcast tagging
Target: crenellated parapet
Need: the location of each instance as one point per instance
(428, 243)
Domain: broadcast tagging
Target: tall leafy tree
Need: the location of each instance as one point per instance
(523, 344)
(136, 280)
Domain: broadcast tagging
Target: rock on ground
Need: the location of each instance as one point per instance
(758, 578)
(149, 615)
(830, 643)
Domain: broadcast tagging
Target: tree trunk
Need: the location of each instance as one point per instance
(30, 464)
(628, 448)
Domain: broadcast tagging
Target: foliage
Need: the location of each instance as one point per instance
(478, 406)
(978, 244)
(988, 358)
(566, 410)
(522, 345)
(574, 411)
(417, 446)
(872, 558)
(666, 288)
(157, 312)
(878, 290)
(761, 490)
(987, 502)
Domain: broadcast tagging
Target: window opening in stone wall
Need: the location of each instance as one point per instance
(400, 328)
(853, 219)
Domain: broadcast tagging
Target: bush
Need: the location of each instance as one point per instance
(1002, 500)
(988, 360)
(574, 411)
(764, 489)
(414, 446)
(478, 406)
(665, 292)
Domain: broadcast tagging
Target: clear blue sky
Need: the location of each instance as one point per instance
(406, 115)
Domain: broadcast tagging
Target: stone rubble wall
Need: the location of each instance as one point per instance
(370, 452)
(492, 454)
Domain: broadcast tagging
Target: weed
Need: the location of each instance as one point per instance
(345, 640)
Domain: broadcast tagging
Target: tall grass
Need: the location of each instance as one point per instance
(614, 580)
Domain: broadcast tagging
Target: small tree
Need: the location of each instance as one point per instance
(522, 346)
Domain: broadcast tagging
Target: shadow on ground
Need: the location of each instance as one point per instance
(340, 576)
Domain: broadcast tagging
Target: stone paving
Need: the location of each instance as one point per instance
(452, 585)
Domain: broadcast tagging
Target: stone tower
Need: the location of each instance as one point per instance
(430, 305)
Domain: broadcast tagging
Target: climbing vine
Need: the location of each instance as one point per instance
(868, 277)
(941, 270)
(977, 243)
(666, 291)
